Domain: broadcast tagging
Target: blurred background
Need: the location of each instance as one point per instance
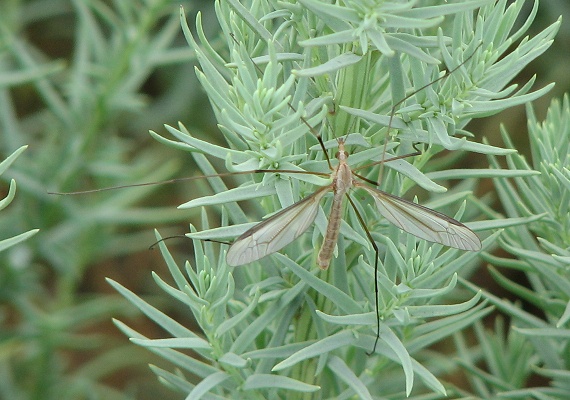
(81, 83)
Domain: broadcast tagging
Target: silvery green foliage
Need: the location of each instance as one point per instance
(280, 328)
(74, 85)
(541, 251)
(81, 134)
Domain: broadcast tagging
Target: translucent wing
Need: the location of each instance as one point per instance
(424, 222)
(275, 232)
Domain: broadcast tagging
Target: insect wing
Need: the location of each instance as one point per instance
(424, 222)
(275, 232)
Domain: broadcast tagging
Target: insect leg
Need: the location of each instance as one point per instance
(376, 257)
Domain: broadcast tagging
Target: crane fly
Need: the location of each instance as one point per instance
(277, 231)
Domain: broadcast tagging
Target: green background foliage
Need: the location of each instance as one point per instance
(81, 83)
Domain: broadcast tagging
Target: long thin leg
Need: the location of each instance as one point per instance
(376, 257)
(191, 178)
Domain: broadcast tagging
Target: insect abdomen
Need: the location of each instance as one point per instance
(331, 236)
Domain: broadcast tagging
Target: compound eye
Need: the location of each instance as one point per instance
(337, 154)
